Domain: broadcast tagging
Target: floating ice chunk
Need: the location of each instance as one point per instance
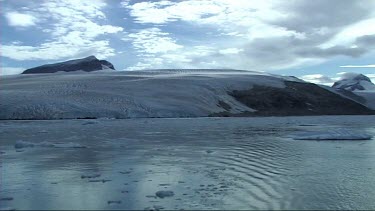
(68, 145)
(332, 135)
(7, 208)
(43, 131)
(114, 202)
(125, 172)
(23, 144)
(90, 176)
(154, 208)
(45, 144)
(90, 123)
(6, 199)
(100, 180)
(164, 193)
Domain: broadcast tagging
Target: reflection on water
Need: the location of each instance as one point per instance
(208, 163)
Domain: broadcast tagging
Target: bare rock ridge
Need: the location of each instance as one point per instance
(295, 99)
(87, 64)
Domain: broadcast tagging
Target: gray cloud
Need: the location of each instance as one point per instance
(329, 52)
(366, 41)
(308, 16)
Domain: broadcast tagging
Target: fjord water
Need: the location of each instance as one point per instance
(208, 163)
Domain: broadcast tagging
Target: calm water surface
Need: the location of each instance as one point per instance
(208, 163)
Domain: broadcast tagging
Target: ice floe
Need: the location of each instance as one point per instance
(6, 199)
(164, 193)
(114, 202)
(7, 208)
(24, 144)
(100, 180)
(332, 135)
(68, 145)
(90, 176)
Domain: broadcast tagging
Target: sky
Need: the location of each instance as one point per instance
(315, 40)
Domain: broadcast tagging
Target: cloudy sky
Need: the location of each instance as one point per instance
(316, 40)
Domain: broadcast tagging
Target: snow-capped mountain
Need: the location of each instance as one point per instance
(354, 82)
(87, 64)
(357, 87)
(166, 93)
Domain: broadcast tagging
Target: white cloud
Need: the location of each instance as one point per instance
(74, 32)
(58, 49)
(155, 48)
(359, 66)
(372, 77)
(20, 20)
(208, 11)
(230, 51)
(11, 70)
(349, 34)
(318, 79)
(237, 18)
(350, 75)
(153, 40)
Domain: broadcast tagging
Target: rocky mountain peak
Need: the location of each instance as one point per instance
(354, 82)
(87, 64)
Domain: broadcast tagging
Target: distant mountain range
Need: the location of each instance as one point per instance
(171, 93)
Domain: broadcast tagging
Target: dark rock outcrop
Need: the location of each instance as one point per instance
(295, 99)
(87, 64)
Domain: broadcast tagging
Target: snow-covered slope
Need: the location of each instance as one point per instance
(360, 85)
(354, 82)
(369, 96)
(126, 94)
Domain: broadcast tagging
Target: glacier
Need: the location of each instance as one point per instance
(126, 94)
(166, 93)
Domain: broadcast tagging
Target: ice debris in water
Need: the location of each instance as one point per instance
(332, 135)
(100, 180)
(154, 208)
(114, 202)
(67, 145)
(24, 144)
(164, 193)
(90, 176)
(6, 199)
(7, 208)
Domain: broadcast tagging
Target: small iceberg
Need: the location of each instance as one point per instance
(90, 176)
(332, 135)
(68, 145)
(114, 202)
(23, 144)
(163, 194)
